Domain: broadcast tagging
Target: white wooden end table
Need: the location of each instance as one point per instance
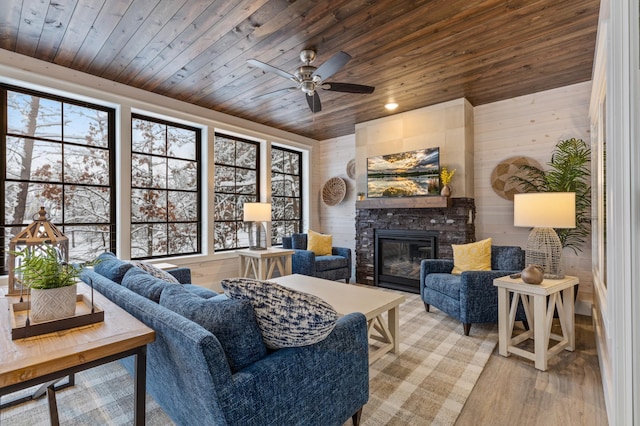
(560, 294)
(261, 264)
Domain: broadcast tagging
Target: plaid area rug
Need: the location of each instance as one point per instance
(427, 384)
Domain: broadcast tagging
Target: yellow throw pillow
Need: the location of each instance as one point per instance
(320, 244)
(472, 257)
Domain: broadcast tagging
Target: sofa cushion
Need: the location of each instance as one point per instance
(507, 258)
(109, 266)
(327, 263)
(155, 271)
(287, 318)
(319, 244)
(472, 257)
(232, 322)
(144, 284)
(203, 292)
(444, 283)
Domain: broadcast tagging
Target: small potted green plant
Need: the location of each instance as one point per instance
(51, 280)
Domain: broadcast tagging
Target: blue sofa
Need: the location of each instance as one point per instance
(336, 266)
(471, 296)
(189, 374)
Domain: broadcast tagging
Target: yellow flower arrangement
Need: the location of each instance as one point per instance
(446, 175)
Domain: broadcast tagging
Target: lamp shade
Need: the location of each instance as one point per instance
(257, 212)
(545, 210)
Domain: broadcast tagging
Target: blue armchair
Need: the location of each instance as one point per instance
(336, 266)
(471, 296)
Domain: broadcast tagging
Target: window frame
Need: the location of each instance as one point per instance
(257, 194)
(111, 155)
(300, 197)
(198, 191)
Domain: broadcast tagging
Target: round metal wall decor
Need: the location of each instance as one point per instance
(501, 181)
(333, 191)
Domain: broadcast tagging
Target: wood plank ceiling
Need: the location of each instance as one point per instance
(416, 53)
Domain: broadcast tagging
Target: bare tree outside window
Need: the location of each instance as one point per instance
(165, 188)
(286, 194)
(58, 154)
(236, 183)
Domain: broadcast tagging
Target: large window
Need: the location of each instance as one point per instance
(286, 199)
(57, 153)
(236, 183)
(165, 188)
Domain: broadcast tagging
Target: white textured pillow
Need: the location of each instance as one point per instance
(286, 318)
(155, 271)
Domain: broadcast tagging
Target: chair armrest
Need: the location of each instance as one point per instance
(289, 382)
(435, 266)
(473, 281)
(183, 275)
(479, 297)
(304, 262)
(344, 252)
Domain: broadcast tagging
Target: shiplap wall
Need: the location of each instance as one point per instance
(339, 220)
(528, 126)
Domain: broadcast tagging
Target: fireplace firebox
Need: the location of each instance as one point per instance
(398, 254)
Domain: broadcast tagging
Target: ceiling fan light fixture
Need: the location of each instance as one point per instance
(390, 106)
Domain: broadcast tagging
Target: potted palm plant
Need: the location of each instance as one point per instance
(51, 280)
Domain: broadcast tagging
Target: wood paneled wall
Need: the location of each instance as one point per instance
(528, 126)
(333, 156)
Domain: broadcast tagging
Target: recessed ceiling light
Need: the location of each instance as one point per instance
(391, 106)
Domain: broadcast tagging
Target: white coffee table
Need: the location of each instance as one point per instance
(347, 298)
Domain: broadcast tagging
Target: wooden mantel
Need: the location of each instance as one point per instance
(433, 202)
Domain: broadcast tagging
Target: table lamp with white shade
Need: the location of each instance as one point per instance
(544, 211)
(257, 214)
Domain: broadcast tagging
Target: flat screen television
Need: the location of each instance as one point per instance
(406, 174)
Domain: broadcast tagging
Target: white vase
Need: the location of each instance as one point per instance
(52, 303)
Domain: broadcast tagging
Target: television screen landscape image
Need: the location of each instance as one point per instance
(406, 174)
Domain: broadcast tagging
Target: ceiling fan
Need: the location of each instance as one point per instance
(309, 78)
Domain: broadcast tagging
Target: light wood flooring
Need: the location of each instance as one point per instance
(510, 391)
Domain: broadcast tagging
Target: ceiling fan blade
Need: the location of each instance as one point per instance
(348, 88)
(314, 102)
(332, 65)
(269, 68)
(274, 93)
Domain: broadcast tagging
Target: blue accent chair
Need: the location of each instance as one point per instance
(336, 266)
(471, 296)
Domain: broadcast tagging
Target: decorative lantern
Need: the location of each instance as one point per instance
(33, 238)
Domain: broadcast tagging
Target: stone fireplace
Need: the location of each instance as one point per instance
(438, 227)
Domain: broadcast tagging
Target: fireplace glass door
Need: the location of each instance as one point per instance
(398, 257)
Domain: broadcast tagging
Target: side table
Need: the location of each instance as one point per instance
(47, 358)
(261, 264)
(560, 295)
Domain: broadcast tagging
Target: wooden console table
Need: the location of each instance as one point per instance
(560, 295)
(48, 358)
(261, 264)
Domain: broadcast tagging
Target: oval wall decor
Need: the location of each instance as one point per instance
(351, 168)
(501, 181)
(333, 191)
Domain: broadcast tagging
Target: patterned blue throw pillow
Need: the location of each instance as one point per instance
(287, 318)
